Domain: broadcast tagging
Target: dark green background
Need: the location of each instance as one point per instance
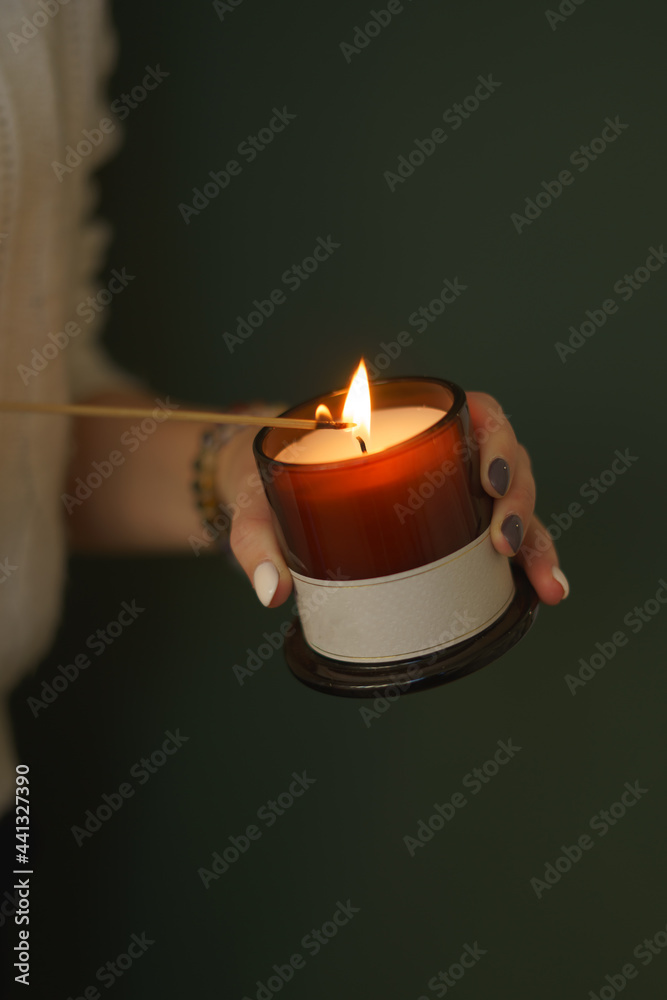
(173, 668)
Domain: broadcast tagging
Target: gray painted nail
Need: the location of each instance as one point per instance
(512, 529)
(499, 475)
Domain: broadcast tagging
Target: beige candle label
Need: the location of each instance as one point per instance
(407, 614)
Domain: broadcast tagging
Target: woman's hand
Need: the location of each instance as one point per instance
(252, 537)
(506, 476)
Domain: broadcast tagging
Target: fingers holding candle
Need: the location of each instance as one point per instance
(513, 511)
(516, 530)
(505, 471)
(507, 476)
(254, 543)
(538, 558)
(497, 443)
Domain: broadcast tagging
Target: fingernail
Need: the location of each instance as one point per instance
(512, 529)
(265, 580)
(560, 577)
(499, 475)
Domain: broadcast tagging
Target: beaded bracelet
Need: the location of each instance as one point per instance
(209, 505)
(206, 496)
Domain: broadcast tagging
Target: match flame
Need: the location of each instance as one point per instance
(323, 413)
(358, 404)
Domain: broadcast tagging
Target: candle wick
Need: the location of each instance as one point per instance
(362, 445)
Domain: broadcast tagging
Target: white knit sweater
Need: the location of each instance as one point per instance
(55, 57)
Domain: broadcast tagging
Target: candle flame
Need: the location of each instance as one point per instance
(323, 413)
(358, 404)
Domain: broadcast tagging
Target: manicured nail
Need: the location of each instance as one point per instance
(265, 579)
(512, 529)
(499, 475)
(560, 577)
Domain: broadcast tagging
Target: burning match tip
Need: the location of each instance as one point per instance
(334, 425)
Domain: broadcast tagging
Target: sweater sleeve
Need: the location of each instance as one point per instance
(85, 55)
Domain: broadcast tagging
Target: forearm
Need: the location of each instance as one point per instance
(130, 480)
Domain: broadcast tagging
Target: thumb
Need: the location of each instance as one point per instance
(252, 538)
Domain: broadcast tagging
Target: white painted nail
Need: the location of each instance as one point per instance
(560, 577)
(265, 580)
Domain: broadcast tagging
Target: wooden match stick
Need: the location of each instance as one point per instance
(203, 416)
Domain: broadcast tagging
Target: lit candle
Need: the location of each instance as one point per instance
(373, 514)
(390, 547)
(390, 427)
